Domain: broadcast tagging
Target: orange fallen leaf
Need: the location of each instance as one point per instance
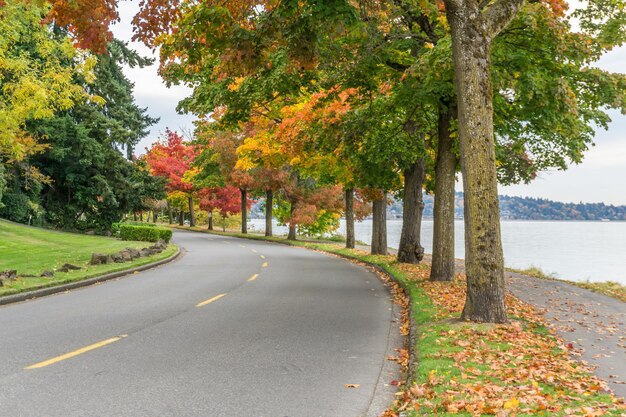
(352, 385)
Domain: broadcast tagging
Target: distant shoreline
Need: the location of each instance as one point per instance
(501, 219)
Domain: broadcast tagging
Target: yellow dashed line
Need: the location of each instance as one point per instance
(76, 352)
(262, 256)
(254, 250)
(265, 264)
(253, 277)
(210, 300)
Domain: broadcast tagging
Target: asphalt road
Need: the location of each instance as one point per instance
(234, 328)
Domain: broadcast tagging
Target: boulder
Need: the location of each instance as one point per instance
(134, 253)
(100, 258)
(145, 252)
(126, 256)
(71, 267)
(9, 275)
(47, 274)
(160, 244)
(62, 269)
(117, 258)
(155, 249)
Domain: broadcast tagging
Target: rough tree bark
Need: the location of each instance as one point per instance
(181, 218)
(269, 210)
(210, 227)
(170, 216)
(134, 216)
(349, 195)
(141, 216)
(154, 216)
(192, 215)
(244, 210)
(410, 249)
(473, 26)
(442, 268)
(379, 226)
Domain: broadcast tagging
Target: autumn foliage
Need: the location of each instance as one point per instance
(171, 158)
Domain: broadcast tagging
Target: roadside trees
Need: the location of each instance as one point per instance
(171, 158)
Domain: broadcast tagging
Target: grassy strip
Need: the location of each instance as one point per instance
(88, 271)
(468, 369)
(32, 250)
(608, 288)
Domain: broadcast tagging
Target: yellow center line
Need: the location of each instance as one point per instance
(210, 300)
(254, 250)
(265, 264)
(76, 352)
(253, 277)
(262, 256)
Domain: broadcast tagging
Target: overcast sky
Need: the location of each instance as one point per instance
(600, 178)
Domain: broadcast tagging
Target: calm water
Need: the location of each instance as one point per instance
(578, 251)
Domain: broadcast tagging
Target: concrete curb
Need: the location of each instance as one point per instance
(42, 292)
(413, 331)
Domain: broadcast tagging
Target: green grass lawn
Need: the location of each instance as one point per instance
(31, 250)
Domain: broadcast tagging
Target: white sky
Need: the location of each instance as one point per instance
(600, 178)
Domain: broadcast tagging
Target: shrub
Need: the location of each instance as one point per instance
(146, 224)
(115, 229)
(144, 234)
(165, 234)
(15, 207)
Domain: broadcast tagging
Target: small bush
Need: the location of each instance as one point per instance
(146, 224)
(144, 233)
(115, 229)
(15, 207)
(165, 234)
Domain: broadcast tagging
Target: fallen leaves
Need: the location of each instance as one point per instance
(519, 368)
(351, 385)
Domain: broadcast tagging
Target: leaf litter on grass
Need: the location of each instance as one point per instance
(515, 369)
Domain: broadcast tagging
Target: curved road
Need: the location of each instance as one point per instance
(235, 327)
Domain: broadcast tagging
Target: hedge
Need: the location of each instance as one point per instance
(144, 233)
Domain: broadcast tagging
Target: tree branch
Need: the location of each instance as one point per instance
(499, 15)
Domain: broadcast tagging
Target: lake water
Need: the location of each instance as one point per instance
(577, 251)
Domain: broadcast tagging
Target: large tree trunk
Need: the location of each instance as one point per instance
(350, 241)
(442, 268)
(134, 216)
(181, 218)
(192, 215)
(292, 226)
(244, 210)
(141, 216)
(379, 226)
(410, 249)
(170, 216)
(473, 25)
(154, 216)
(269, 210)
(210, 220)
